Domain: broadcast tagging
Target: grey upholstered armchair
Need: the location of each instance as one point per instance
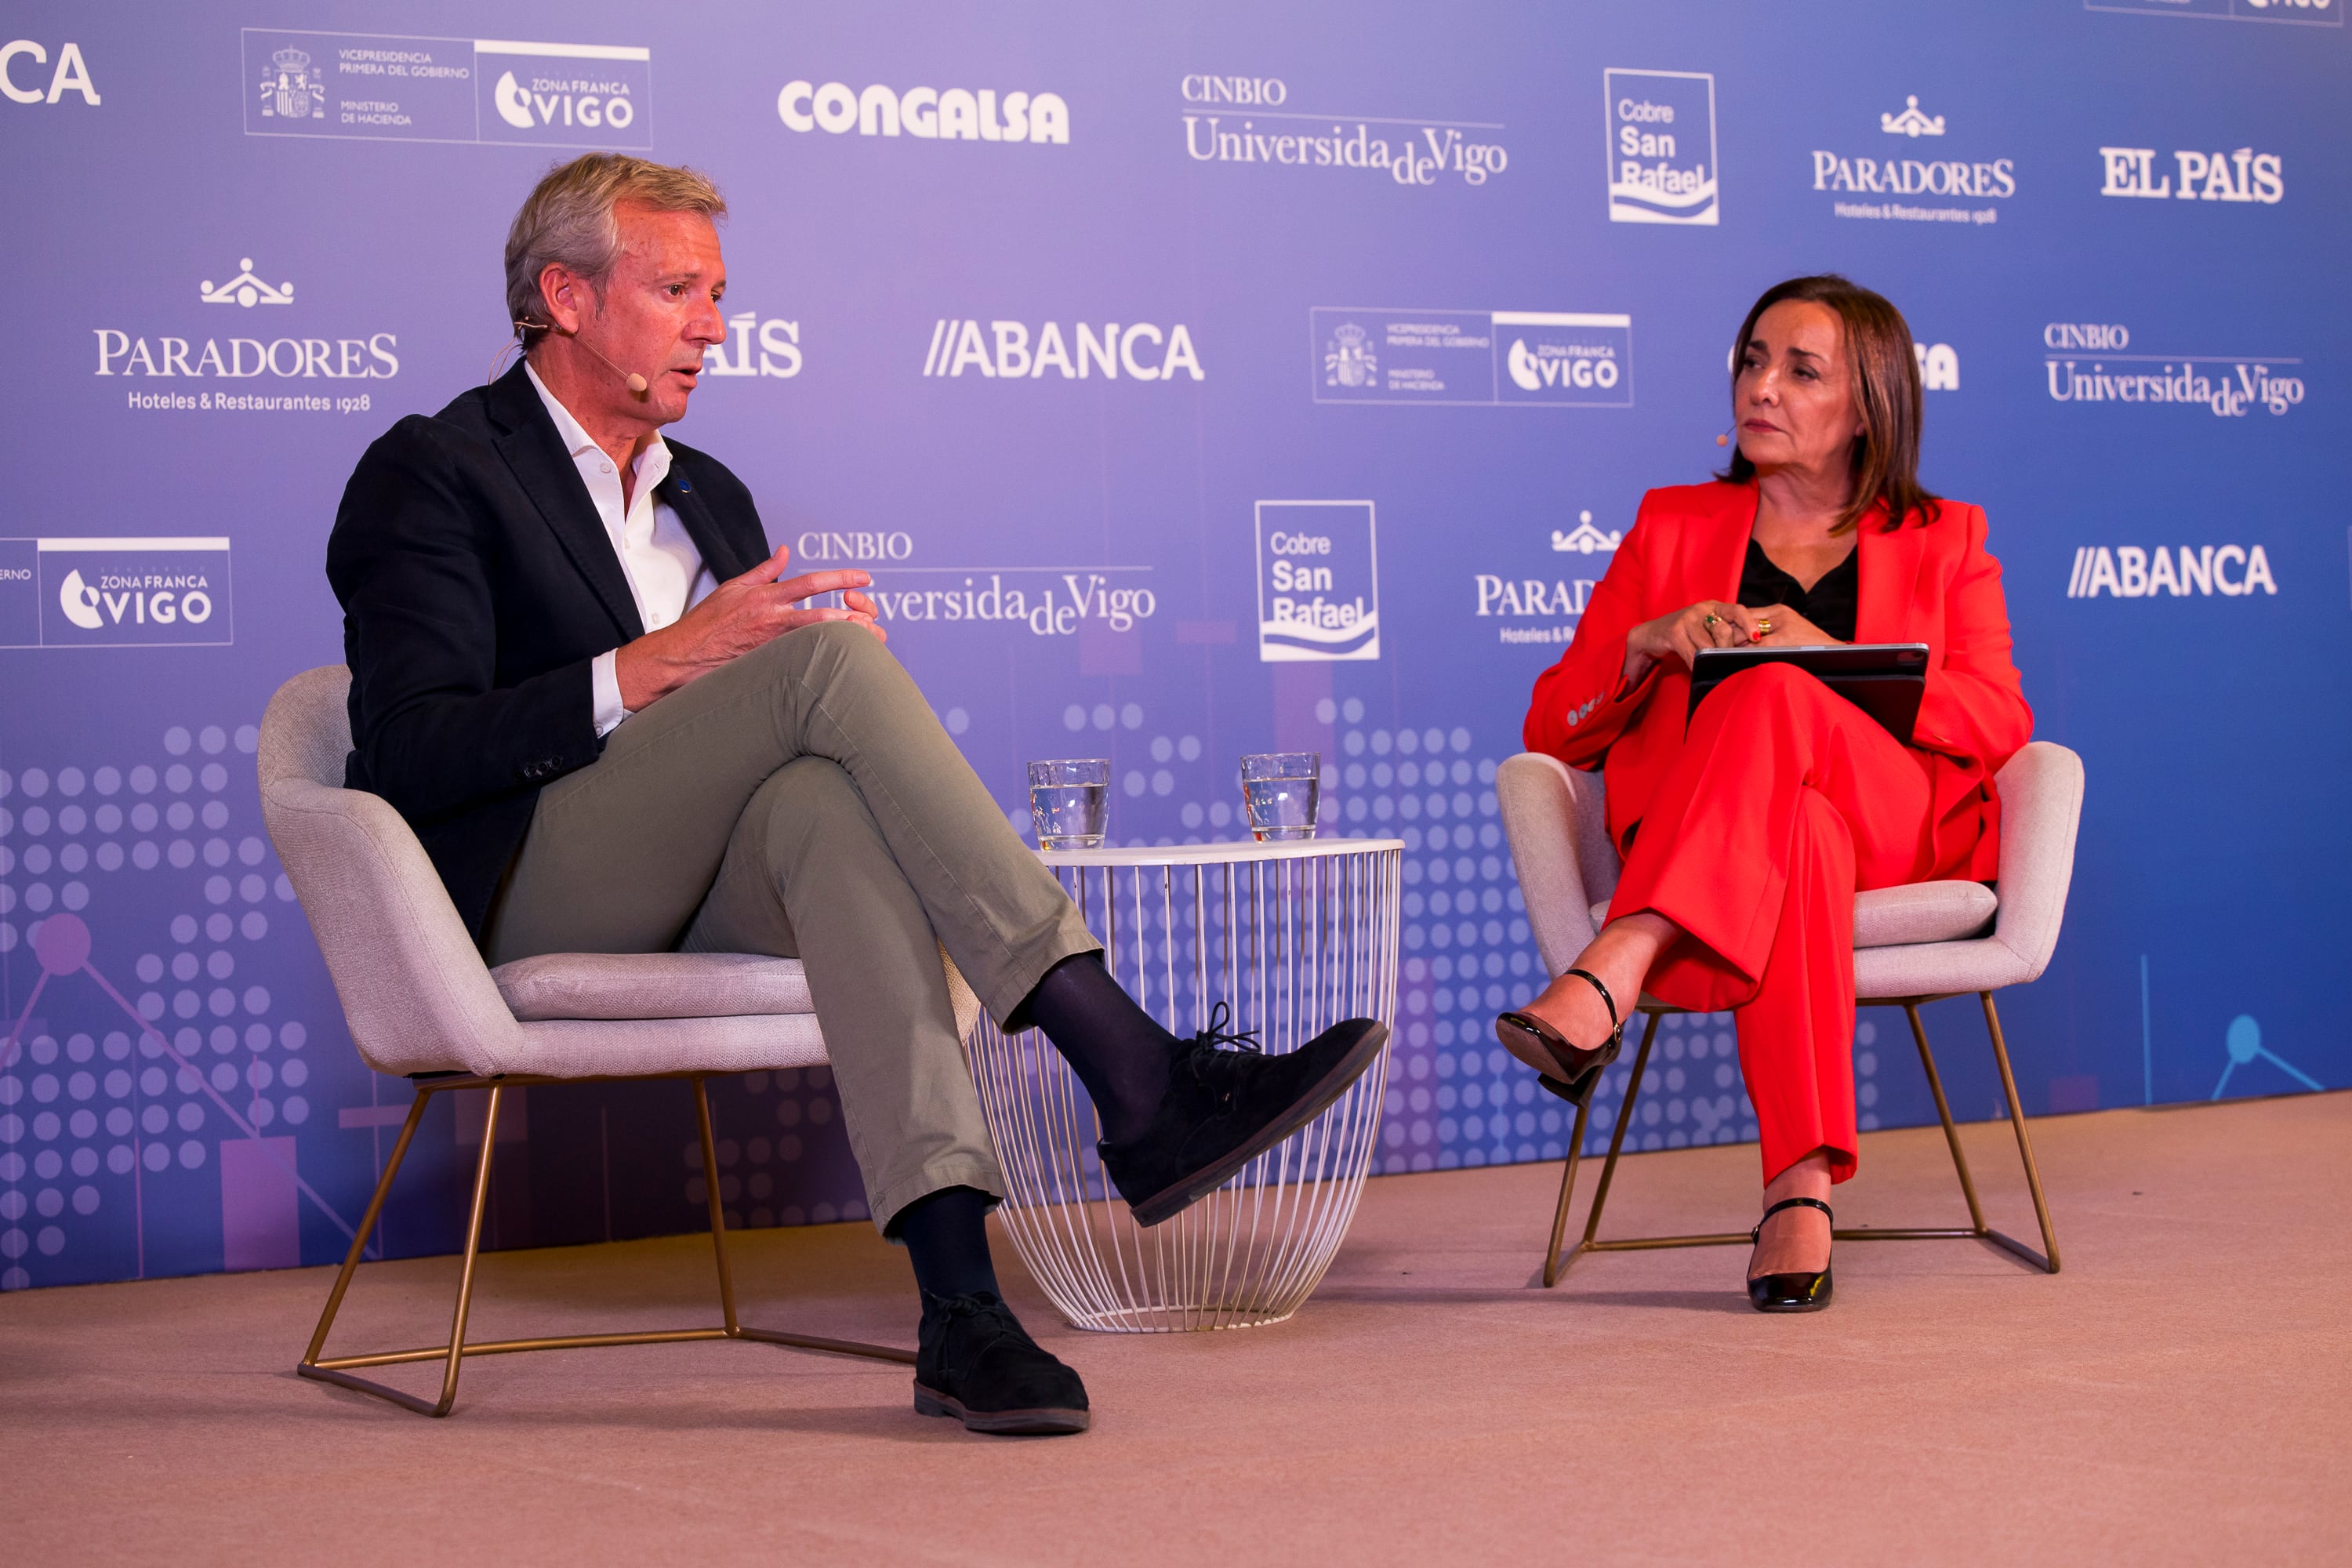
(421, 1004)
(1912, 946)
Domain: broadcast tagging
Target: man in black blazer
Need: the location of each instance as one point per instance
(617, 726)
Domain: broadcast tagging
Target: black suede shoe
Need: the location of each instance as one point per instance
(1225, 1108)
(974, 1360)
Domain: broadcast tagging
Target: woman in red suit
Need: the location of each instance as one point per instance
(1747, 834)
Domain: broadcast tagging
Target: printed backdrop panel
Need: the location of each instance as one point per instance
(1193, 379)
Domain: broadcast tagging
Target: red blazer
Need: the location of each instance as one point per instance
(1934, 584)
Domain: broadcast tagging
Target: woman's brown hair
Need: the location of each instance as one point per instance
(1885, 389)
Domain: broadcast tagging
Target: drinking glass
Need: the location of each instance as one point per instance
(1068, 800)
(1280, 791)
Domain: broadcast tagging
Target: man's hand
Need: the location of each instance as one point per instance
(1679, 635)
(741, 614)
(1787, 628)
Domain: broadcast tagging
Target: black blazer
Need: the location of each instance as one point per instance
(477, 585)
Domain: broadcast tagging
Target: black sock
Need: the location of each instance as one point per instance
(1117, 1050)
(947, 1242)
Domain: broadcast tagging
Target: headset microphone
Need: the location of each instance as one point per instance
(1724, 439)
(637, 385)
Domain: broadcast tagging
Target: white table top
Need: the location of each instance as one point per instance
(1217, 854)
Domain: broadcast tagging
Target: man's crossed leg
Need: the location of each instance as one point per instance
(803, 801)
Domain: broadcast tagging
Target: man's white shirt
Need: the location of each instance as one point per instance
(664, 570)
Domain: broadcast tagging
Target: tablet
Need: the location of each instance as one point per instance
(1885, 680)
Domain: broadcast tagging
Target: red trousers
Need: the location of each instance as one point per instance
(1785, 800)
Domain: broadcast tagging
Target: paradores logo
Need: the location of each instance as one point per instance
(204, 359)
(1661, 146)
(1886, 176)
(1553, 600)
(1319, 588)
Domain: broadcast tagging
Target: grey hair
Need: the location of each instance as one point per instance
(568, 220)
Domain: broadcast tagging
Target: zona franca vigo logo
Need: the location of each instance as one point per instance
(114, 593)
(390, 86)
(1565, 359)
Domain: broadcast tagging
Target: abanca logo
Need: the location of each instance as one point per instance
(2127, 572)
(1006, 354)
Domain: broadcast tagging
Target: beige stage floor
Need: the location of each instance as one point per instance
(2177, 1395)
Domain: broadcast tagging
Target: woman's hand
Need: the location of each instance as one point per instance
(1777, 626)
(1710, 623)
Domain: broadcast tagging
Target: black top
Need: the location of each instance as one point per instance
(478, 585)
(1832, 603)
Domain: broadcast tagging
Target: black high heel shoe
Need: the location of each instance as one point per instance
(1568, 1071)
(1789, 1292)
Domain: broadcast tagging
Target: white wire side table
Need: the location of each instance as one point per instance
(1294, 938)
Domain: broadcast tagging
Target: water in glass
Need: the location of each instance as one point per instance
(1070, 802)
(1280, 791)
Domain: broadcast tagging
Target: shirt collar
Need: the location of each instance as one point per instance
(652, 462)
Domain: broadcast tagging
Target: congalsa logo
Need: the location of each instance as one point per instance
(929, 114)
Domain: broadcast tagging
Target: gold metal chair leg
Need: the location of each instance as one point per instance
(1944, 1110)
(452, 1354)
(360, 1237)
(1558, 1265)
(1567, 1192)
(736, 1329)
(2048, 1260)
(473, 1255)
(718, 1212)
